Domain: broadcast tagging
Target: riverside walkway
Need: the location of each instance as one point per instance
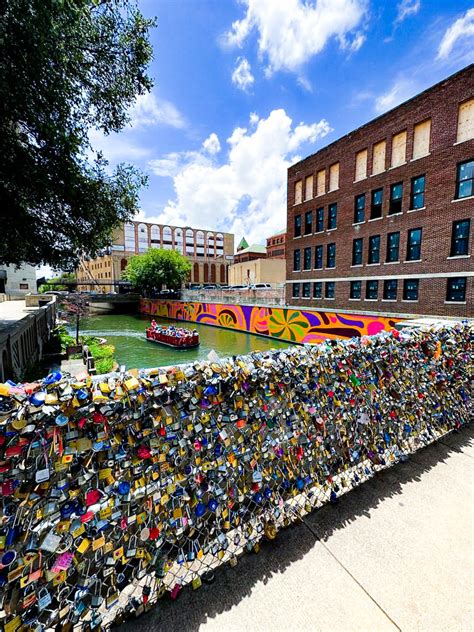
(394, 554)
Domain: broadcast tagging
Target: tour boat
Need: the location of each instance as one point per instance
(176, 337)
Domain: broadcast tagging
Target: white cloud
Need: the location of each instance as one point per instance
(405, 8)
(212, 144)
(461, 29)
(149, 110)
(242, 76)
(400, 91)
(291, 31)
(118, 147)
(246, 194)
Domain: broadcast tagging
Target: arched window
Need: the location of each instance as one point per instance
(196, 273)
(189, 242)
(213, 272)
(129, 237)
(200, 243)
(142, 237)
(155, 236)
(219, 244)
(210, 245)
(123, 264)
(206, 273)
(167, 238)
(178, 240)
(223, 279)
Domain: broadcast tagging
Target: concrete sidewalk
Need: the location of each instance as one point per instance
(394, 554)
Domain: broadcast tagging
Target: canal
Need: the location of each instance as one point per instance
(127, 333)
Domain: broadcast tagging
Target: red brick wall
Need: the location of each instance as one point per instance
(439, 103)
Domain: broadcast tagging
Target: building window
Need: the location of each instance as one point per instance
(465, 121)
(307, 258)
(356, 289)
(321, 182)
(361, 165)
(414, 244)
(306, 290)
(297, 225)
(318, 257)
(296, 290)
(396, 195)
(456, 290)
(374, 249)
(465, 179)
(308, 223)
(298, 192)
(334, 177)
(320, 220)
(376, 206)
(331, 256)
(317, 289)
(359, 208)
(329, 289)
(357, 245)
(410, 289)
(296, 260)
(460, 238)
(393, 247)
(332, 216)
(390, 287)
(308, 188)
(399, 144)
(23, 286)
(421, 139)
(371, 290)
(378, 158)
(417, 195)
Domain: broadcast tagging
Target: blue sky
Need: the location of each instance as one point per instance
(245, 88)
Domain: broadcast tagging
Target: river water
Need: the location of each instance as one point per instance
(127, 333)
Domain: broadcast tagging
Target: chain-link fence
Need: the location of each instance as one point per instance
(128, 487)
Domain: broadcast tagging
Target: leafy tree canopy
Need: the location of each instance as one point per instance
(66, 67)
(157, 267)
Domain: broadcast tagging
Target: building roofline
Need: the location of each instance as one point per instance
(205, 230)
(466, 69)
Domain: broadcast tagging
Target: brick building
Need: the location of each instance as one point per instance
(276, 246)
(210, 252)
(251, 253)
(381, 219)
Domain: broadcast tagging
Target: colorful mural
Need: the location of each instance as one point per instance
(295, 325)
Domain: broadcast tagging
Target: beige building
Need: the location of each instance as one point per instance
(258, 271)
(210, 252)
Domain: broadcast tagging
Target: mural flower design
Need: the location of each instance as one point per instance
(287, 324)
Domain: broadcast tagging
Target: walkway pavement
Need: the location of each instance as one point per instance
(394, 554)
(11, 311)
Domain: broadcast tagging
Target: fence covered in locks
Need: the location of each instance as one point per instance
(119, 490)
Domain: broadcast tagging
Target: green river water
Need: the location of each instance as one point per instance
(127, 333)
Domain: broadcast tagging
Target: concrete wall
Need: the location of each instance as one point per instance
(18, 281)
(302, 326)
(258, 271)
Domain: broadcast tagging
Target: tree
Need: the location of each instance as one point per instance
(76, 307)
(59, 283)
(157, 267)
(66, 67)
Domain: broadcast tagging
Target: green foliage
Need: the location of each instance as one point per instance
(66, 68)
(157, 267)
(54, 284)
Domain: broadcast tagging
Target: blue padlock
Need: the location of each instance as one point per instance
(37, 399)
